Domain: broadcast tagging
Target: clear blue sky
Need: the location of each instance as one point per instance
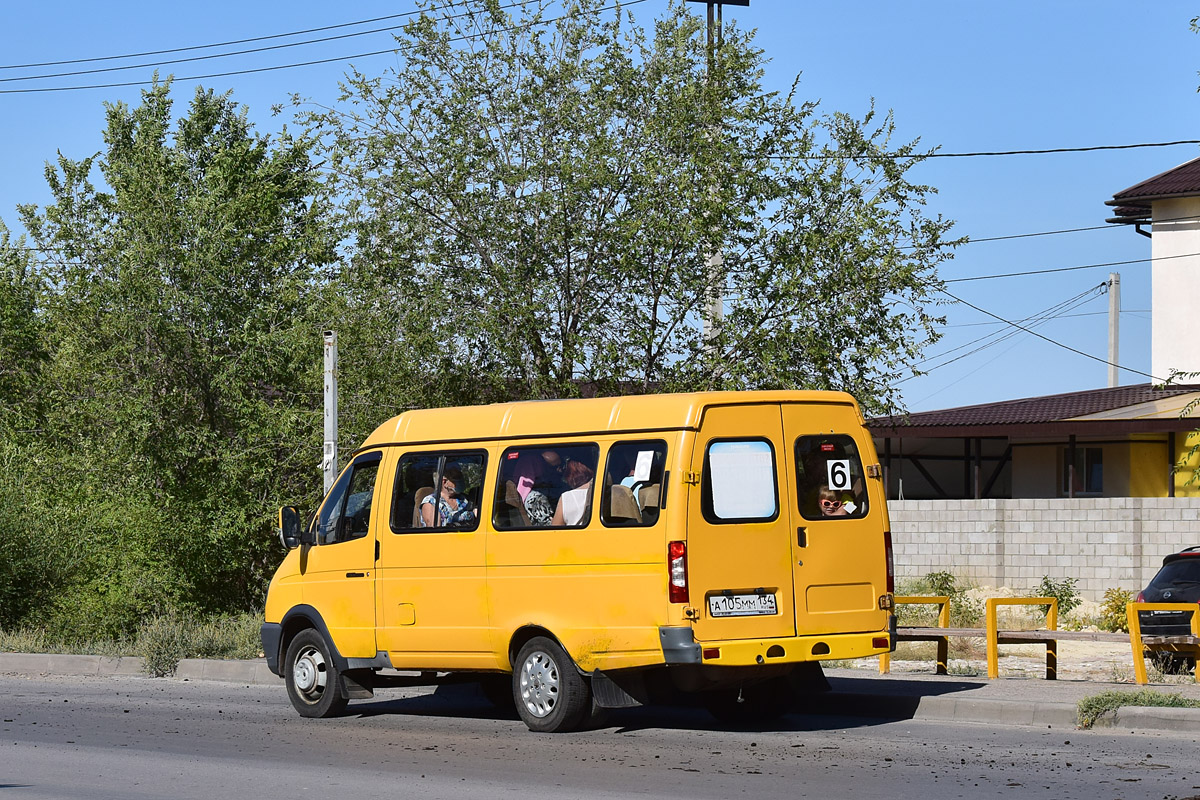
(963, 76)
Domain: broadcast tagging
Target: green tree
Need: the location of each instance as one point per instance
(530, 204)
(22, 353)
(186, 393)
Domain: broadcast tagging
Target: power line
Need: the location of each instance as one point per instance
(976, 154)
(1042, 233)
(1062, 149)
(1110, 226)
(1051, 341)
(314, 62)
(1063, 316)
(234, 52)
(1068, 269)
(1055, 311)
(209, 46)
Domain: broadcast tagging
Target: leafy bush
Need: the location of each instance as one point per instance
(1092, 708)
(1063, 590)
(1112, 610)
(164, 640)
(161, 642)
(942, 583)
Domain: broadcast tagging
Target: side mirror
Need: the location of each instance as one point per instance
(289, 527)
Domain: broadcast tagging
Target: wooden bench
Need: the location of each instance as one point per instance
(1187, 644)
(1049, 636)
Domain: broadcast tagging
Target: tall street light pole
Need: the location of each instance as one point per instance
(714, 309)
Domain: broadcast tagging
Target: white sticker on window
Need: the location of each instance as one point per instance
(645, 460)
(839, 474)
(742, 476)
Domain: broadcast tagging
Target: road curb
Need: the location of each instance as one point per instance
(62, 664)
(205, 669)
(1178, 720)
(1001, 712)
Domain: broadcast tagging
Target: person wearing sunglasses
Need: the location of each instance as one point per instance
(832, 504)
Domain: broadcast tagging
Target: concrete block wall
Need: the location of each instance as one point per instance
(1104, 542)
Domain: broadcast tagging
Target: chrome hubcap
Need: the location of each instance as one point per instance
(309, 673)
(539, 684)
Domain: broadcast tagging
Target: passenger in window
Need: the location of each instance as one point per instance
(835, 504)
(452, 508)
(543, 496)
(573, 504)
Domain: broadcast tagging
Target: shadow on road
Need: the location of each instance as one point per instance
(852, 703)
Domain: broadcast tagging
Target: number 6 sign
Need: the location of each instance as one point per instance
(839, 474)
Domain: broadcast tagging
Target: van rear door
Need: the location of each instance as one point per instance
(739, 546)
(837, 513)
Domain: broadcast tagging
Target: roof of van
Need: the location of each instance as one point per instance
(541, 418)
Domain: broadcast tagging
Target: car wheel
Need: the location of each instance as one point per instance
(550, 694)
(313, 680)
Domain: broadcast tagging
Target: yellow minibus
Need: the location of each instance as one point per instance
(575, 555)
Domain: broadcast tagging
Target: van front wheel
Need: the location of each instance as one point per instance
(314, 683)
(550, 694)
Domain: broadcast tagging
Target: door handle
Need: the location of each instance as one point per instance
(802, 536)
(356, 574)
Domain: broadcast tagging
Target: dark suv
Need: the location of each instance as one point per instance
(1177, 582)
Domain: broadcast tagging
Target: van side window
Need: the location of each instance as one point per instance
(545, 485)
(829, 478)
(632, 486)
(738, 483)
(346, 513)
(437, 491)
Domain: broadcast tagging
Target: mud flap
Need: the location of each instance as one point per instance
(357, 685)
(621, 691)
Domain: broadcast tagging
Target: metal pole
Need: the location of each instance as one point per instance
(329, 458)
(714, 305)
(714, 308)
(1114, 323)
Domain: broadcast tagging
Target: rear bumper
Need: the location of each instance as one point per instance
(1165, 623)
(787, 650)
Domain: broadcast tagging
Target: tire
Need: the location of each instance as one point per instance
(550, 694)
(314, 683)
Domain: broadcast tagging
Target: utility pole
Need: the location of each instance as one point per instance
(714, 307)
(329, 457)
(1114, 324)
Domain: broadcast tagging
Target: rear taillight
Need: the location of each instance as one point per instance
(677, 567)
(891, 569)
(1141, 598)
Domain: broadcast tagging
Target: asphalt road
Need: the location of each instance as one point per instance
(130, 737)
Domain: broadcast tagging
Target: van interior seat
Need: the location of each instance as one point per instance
(420, 495)
(513, 499)
(622, 505)
(648, 495)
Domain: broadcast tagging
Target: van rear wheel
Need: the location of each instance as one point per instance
(550, 694)
(314, 683)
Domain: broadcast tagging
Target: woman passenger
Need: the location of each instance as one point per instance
(453, 509)
(573, 504)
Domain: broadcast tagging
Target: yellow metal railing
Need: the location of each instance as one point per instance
(1181, 644)
(994, 639)
(943, 642)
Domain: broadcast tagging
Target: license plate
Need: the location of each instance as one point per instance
(741, 605)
